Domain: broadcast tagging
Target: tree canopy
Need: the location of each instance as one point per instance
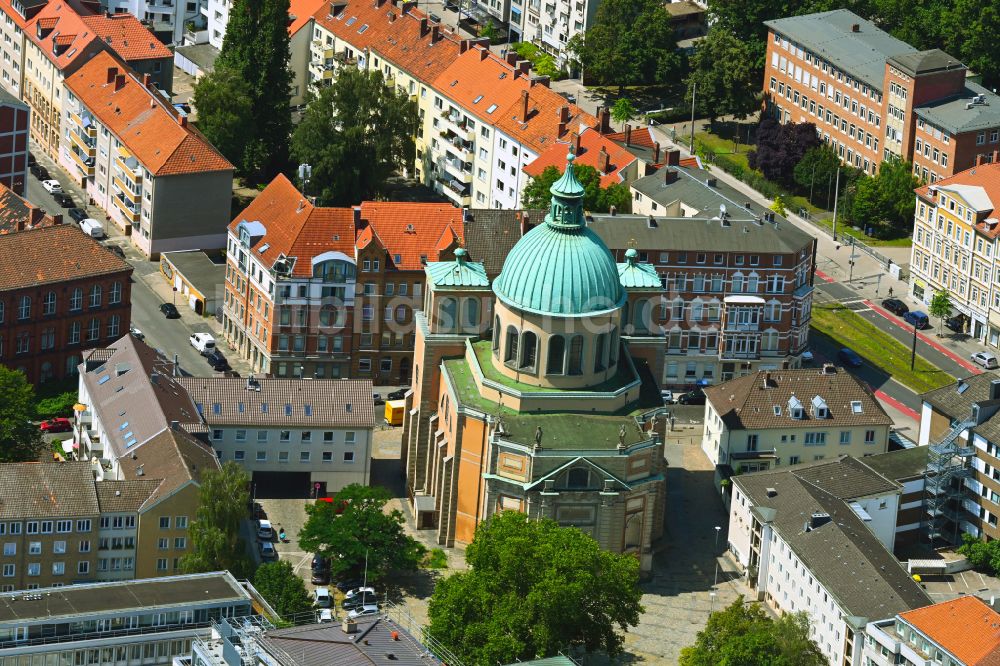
(631, 42)
(283, 589)
(215, 531)
(780, 146)
(596, 199)
(982, 555)
(533, 589)
(623, 110)
(815, 169)
(255, 52)
(886, 201)
(20, 439)
(744, 635)
(940, 306)
(356, 523)
(723, 76)
(355, 134)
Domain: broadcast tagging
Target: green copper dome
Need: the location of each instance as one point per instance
(561, 267)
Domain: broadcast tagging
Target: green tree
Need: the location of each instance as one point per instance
(622, 111)
(631, 42)
(256, 50)
(970, 29)
(778, 206)
(224, 112)
(215, 532)
(282, 588)
(355, 134)
(355, 524)
(744, 635)
(596, 199)
(982, 555)
(886, 201)
(20, 439)
(940, 307)
(723, 77)
(815, 168)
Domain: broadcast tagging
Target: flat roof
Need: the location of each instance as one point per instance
(203, 55)
(199, 270)
(959, 114)
(93, 599)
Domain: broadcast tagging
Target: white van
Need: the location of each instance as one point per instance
(264, 530)
(92, 227)
(321, 597)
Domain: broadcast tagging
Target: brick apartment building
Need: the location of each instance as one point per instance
(872, 96)
(14, 126)
(69, 294)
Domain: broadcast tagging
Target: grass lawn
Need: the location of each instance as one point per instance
(880, 349)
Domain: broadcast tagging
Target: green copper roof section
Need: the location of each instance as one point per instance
(634, 275)
(561, 267)
(458, 273)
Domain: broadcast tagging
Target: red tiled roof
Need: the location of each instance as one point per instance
(129, 38)
(966, 627)
(142, 121)
(541, 129)
(54, 254)
(478, 81)
(411, 230)
(17, 213)
(986, 176)
(295, 227)
(65, 28)
(300, 12)
(348, 24)
(416, 52)
(591, 143)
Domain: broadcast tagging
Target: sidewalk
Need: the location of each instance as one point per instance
(869, 278)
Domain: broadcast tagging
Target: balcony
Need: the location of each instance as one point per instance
(458, 148)
(743, 326)
(84, 162)
(458, 127)
(130, 212)
(85, 143)
(344, 59)
(125, 189)
(130, 167)
(458, 193)
(461, 171)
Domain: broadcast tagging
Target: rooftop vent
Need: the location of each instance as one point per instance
(828, 369)
(349, 626)
(995, 389)
(772, 492)
(819, 519)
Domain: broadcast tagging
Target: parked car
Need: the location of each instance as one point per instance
(169, 311)
(368, 609)
(956, 323)
(324, 615)
(136, 333)
(349, 584)
(39, 172)
(320, 578)
(986, 359)
(92, 228)
(264, 530)
(64, 200)
(322, 598)
(917, 319)
(77, 214)
(895, 306)
(358, 601)
(350, 594)
(398, 395)
(667, 396)
(51, 186)
(377, 397)
(267, 551)
(320, 563)
(849, 357)
(695, 397)
(218, 362)
(58, 424)
(203, 342)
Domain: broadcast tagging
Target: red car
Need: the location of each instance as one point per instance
(59, 424)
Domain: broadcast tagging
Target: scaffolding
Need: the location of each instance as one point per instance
(947, 467)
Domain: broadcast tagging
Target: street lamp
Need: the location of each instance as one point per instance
(715, 553)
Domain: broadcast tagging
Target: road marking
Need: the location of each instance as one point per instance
(896, 404)
(823, 276)
(975, 369)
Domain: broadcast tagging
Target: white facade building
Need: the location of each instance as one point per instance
(166, 18)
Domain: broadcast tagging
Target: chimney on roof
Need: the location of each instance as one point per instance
(995, 389)
(182, 121)
(856, 27)
(524, 66)
(524, 106)
(603, 161)
(146, 78)
(435, 34)
(540, 81)
(628, 135)
(564, 113)
(379, 3)
(511, 58)
(996, 156)
(576, 143)
(669, 175)
(392, 17)
(463, 45)
(119, 82)
(112, 74)
(979, 159)
(484, 53)
(423, 26)
(656, 152)
(523, 218)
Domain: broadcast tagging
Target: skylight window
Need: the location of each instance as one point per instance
(478, 99)
(217, 408)
(352, 20)
(263, 408)
(123, 426)
(856, 407)
(777, 410)
(308, 409)
(397, 258)
(362, 28)
(103, 380)
(288, 409)
(263, 248)
(493, 107)
(240, 407)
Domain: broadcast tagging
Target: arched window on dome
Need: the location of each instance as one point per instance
(496, 337)
(556, 358)
(575, 366)
(510, 350)
(614, 343)
(470, 315)
(529, 351)
(447, 315)
(600, 351)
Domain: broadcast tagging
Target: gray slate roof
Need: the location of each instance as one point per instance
(956, 401)
(899, 465)
(125, 496)
(861, 54)
(47, 490)
(925, 62)
(847, 478)
(326, 644)
(328, 400)
(490, 234)
(953, 115)
(844, 555)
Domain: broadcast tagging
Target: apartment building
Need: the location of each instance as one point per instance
(14, 130)
(955, 248)
(167, 19)
(158, 179)
(908, 468)
(330, 292)
(960, 427)
(130, 622)
(69, 295)
(814, 538)
(549, 24)
(317, 434)
(789, 417)
(132, 425)
(963, 631)
(738, 279)
(129, 39)
(17, 214)
(872, 96)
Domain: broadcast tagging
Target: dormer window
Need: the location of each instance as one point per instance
(795, 408)
(856, 407)
(819, 408)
